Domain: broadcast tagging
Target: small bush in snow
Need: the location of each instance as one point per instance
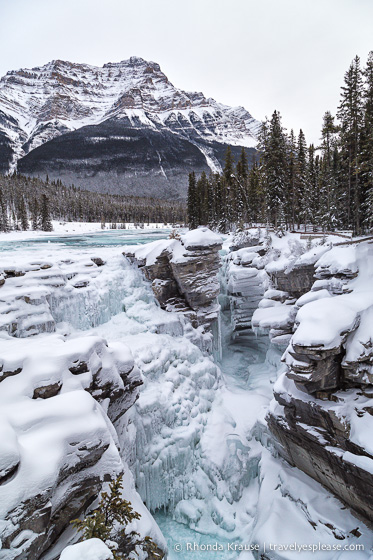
(109, 522)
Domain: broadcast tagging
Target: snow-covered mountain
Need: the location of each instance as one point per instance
(122, 128)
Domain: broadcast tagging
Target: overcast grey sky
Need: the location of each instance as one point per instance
(289, 55)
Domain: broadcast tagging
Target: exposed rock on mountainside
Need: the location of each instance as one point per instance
(122, 128)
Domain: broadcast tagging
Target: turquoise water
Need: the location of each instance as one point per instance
(185, 544)
(111, 238)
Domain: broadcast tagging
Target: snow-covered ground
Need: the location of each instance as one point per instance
(196, 441)
(77, 228)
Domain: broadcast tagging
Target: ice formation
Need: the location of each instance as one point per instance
(196, 440)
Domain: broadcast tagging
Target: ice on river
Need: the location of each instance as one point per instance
(196, 440)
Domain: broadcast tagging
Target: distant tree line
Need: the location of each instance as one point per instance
(324, 187)
(29, 202)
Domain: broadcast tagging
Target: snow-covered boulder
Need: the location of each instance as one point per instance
(200, 239)
(92, 549)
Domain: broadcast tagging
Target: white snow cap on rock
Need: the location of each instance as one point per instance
(92, 549)
(201, 237)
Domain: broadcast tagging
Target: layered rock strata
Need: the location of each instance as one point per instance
(290, 276)
(37, 294)
(246, 285)
(322, 411)
(184, 277)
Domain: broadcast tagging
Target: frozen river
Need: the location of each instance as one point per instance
(101, 239)
(196, 440)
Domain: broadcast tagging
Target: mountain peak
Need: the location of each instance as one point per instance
(40, 105)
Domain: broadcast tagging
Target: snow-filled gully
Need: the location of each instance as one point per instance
(196, 441)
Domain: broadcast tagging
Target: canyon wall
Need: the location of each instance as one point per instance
(319, 308)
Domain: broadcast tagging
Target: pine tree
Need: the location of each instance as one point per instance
(329, 194)
(224, 210)
(255, 197)
(312, 197)
(109, 521)
(202, 191)
(241, 177)
(230, 188)
(192, 204)
(35, 216)
(242, 168)
(291, 205)
(367, 144)
(4, 222)
(211, 200)
(218, 202)
(301, 186)
(46, 224)
(22, 214)
(350, 114)
(275, 169)
(229, 165)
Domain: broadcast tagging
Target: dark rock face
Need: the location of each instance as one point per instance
(131, 160)
(127, 159)
(314, 436)
(296, 282)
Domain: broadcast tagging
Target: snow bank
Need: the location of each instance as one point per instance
(325, 323)
(274, 317)
(91, 549)
(201, 237)
(340, 260)
(151, 251)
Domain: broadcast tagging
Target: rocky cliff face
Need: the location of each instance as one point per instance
(316, 306)
(184, 277)
(322, 413)
(123, 127)
(246, 279)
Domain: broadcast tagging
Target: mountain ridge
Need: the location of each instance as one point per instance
(130, 104)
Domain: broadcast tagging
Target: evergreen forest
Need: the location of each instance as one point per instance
(31, 203)
(292, 185)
